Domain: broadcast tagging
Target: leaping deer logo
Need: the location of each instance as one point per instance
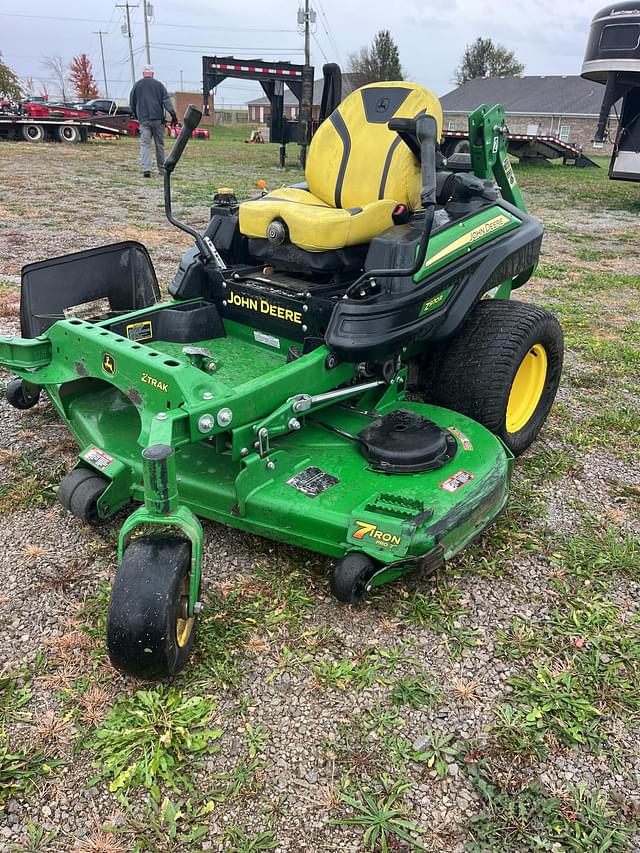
(108, 364)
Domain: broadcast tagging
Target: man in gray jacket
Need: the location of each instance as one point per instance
(149, 100)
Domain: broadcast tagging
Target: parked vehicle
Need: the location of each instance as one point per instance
(105, 106)
(34, 121)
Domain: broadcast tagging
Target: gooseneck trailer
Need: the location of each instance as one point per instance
(612, 57)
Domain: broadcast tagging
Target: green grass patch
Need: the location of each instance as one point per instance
(33, 480)
(415, 692)
(21, 770)
(382, 815)
(526, 818)
(238, 840)
(596, 553)
(150, 738)
(440, 610)
(586, 668)
(367, 667)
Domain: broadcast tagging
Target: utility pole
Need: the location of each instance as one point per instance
(145, 9)
(126, 6)
(181, 86)
(307, 42)
(306, 17)
(101, 33)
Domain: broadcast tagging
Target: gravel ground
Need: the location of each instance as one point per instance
(305, 694)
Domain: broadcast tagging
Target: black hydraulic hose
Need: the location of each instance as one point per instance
(426, 132)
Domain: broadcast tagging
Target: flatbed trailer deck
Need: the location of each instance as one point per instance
(525, 146)
(68, 130)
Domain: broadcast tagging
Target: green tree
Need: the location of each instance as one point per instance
(483, 58)
(381, 61)
(9, 84)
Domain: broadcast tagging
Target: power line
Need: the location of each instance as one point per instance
(196, 48)
(156, 23)
(326, 59)
(54, 18)
(224, 29)
(327, 28)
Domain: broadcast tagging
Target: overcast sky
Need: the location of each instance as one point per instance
(546, 35)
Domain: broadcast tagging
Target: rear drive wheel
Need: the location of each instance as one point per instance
(80, 491)
(149, 631)
(502, 369)
(67, 133)
(350, 577)
(32, 132)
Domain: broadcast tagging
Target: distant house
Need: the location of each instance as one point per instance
(260, 109)
(567, 107)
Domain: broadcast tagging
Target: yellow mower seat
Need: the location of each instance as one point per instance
(357, 172)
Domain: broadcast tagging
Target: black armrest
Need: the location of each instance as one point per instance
(406, 130)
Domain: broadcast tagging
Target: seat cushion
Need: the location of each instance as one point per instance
(357, 172)
(354, 159)
(314, 225)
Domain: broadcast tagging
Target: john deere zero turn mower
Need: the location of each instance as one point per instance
(270, 392)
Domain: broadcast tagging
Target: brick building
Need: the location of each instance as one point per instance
(567, 107)
(182, 101)
(260, 110)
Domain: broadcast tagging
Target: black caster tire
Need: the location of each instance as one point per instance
(21, 394)
(79, 492)
(148, 635)
(350, 576)
(502, 369)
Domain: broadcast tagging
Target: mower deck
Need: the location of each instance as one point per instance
(317, 489)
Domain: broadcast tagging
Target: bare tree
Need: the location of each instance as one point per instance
(59, 71)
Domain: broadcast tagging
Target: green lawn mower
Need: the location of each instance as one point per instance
(340, 366)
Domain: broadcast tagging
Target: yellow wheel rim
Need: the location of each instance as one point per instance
(527, 388)
(183, 630)
(184, 623)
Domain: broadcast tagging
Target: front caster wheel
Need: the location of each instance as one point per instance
(80, 491)
(350, 577)
(21, 394)
(149, 630)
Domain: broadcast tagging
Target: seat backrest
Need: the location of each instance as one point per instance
(354, 159)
